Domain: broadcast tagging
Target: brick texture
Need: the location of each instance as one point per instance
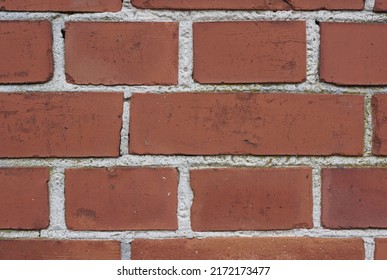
(250, 4)
(121, 199)
(251, 199)
(24, 198)
(62, 5)
(249, 249)
(353, 53)
(26, 55)
(60, 124)
(59, 250)
(121, 53)
(257, 124)
(380, 249)
(380, 6)
(379, 116)
(226, 52)
(354, 198)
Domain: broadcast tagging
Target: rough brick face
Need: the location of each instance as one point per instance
(251, 199)
(24, 198)
(250, 4)
(380, 6)
(354, 198)
(257, 124)
(248, 249)
(121, 53)
(226, 52)
(26, 55)
(60, 124)
(380, 249)
(379, 116)
(353, 53)
(121, 199)
(62, 5)
(59, 250)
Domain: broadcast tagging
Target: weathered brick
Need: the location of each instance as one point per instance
(249, 249)
(24, 198)
(256, 124)
(353, 53)
(62, 5)
(60, 124)
(121, 199)
(379, 117)
(251, 199)
(354, 198)
(249, 52)
(26, 52)
(130, 53)
(41, 249)
(380, 249)
(250, 4)
(380, 6)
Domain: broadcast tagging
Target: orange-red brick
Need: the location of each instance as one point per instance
(380, 6)
(379, 116)
(380, 249)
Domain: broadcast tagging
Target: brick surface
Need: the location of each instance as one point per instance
(256, 124)
(60, 124)
(59, 250)
(251, 199)
(249, 52)
(354, 198)
(353, 53)
(379, 116)
(121, 53)
(24, 198)
(251, 4)
(380, 6)
(380, 249)
(26, 52)
(249, 249)
(62, 5)
(121, 199)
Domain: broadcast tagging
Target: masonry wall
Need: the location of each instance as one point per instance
(193, 129)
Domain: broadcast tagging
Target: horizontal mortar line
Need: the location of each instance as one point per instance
(197, 161)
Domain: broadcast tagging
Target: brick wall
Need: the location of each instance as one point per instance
(193, 129)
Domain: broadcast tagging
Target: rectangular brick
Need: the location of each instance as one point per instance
(130, 53)
(26, 52)
(251, 199)
(41, 249)
(121, 199)
(379, 119)
(246, 123)
(249, 52)
(24, 198)
(380, 6)
(353, 53)
(380, 249)
(354, 198)
(60, 124)
(250, 4)
(62, 5)
(249, 249)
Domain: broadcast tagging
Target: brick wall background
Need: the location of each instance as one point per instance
(193, 129)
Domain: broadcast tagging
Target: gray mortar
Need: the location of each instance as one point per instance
(57, 228)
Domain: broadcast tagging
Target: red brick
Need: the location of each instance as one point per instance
(26, 52)
(249, 52)
(24, 198)
(244, 123)
(62, 5)
(121, 199)
(353, 53)
(354, 198)
(379, 117)
(60, 124)
(250, 4)
(41, 249)
(249, 249)
(380, 6)
(251, 199)
(121, 53)
(380, 249)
